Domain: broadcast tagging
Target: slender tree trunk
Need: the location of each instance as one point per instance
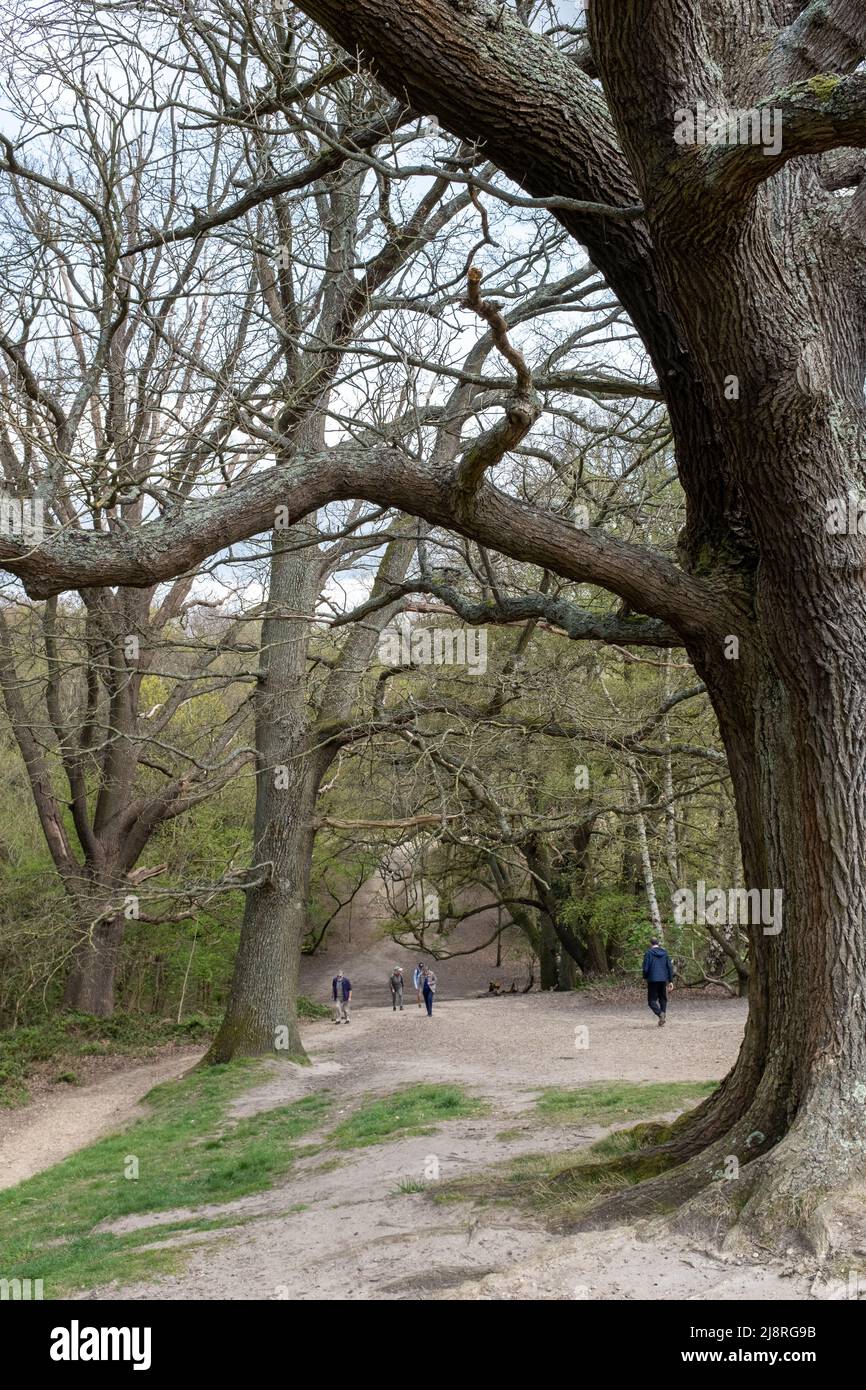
(547, 955)
(671, 848)
(568, 971)
(645, 860)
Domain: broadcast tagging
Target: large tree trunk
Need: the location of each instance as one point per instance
(294, 751)
(90, 983)
(261, 1014)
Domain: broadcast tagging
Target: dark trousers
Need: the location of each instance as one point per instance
(657, 996)
(428, 999)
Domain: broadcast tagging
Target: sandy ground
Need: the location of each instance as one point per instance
(342, 1229)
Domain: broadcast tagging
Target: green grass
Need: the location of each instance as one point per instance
(563, 1185)
(188, 1151)
(609, 1103)
(81, 1035)
(308, 1008)
(411, 1111)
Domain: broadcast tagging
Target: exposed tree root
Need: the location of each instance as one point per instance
(802, 1194)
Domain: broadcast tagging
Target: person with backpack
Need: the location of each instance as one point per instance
(429, 990)
(396, 983)
(658, 971)
(418, 980)
(341, 989)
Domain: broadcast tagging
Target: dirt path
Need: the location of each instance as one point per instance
(60, 1122)
(348, 1226)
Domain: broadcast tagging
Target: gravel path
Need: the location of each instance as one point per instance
(505, 1044)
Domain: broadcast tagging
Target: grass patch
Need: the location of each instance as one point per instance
(610, 1103)
(563, 1185)
(411, 1111)
(187, 1153)
(308, 1008)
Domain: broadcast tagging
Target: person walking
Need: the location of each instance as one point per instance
(396, 983)
(658, 971)
(429, 990)
(418, 980)
(341, 988)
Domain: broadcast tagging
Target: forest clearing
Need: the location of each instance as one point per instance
(432, 659)
(517, 1058)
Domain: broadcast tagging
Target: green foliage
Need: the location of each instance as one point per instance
(68, 1035)
(308, 1008)
(80, 1035)
(409, 1185)
(619, 921)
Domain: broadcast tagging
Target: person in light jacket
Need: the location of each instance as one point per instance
(396, 983)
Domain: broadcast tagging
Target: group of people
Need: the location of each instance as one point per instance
(658, 971)
(423, 979)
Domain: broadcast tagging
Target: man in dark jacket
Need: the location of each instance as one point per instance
(341, 989)
(658, 971)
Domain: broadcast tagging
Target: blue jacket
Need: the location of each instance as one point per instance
(657, 966)
(347, 987)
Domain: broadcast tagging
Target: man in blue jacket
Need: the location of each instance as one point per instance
(658, 971)
(341, 989)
